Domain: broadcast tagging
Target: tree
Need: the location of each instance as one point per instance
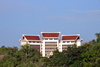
(98, 36)
(13, 57)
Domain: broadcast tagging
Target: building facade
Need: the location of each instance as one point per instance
(50, 41)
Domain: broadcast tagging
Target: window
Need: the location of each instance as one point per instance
(68, 41)
(46, 38)
(72, 41)
(38, 42)
(33, 41)
(47, 51)
(55, 38)
(30, 41)
(50, 39)
(64, 41)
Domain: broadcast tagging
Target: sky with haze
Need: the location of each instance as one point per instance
(31, 17)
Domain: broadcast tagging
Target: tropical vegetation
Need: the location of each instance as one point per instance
(87, 55)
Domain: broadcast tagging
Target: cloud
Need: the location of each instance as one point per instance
(94, 12)
(86, 10)
(78, 16)
(69, 19)
(7, 6)
(73, 19)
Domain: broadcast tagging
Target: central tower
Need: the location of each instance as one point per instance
(50, 42)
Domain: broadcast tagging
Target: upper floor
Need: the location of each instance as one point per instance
(51, 37)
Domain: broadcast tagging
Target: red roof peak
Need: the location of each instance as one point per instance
(32, 37)
(70, 37)
(50, 34)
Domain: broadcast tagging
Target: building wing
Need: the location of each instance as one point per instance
(70, 37)
(32, 37)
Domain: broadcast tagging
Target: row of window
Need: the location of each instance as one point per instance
(47, 51)
(50, 45)
(51, 42)
(68, 41)
(50, 48)
(64, 48)
(34, 42)
(40, 42)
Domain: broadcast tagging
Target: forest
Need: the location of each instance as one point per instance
(86, 55)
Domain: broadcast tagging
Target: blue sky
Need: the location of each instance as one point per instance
(19, 17)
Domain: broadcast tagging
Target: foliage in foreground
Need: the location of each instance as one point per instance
(87, 55)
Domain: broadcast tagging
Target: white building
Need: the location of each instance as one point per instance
(50, 41)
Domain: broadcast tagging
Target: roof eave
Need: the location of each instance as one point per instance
(68, 40)
(34, 40)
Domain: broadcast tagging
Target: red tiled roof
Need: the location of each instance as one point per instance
(70, 37)
(50, 34)
(29, 37)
